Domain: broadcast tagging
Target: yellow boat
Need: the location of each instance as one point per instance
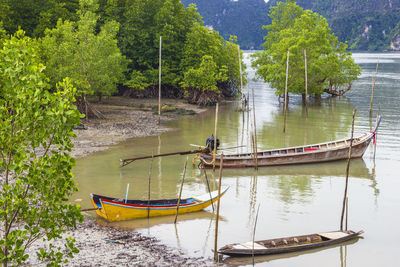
(113, 209)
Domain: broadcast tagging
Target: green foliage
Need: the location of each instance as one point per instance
(185, 41)
(93, 61)
(203, 47)
(296, 30)
(204, 77)
(36, 179)
(34, 16)
(137, 81)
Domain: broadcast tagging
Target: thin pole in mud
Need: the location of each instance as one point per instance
(218, 205)
(241, 79)
(255, 134)
(215, 135)
(347, 171)
(148, 201)
(180, 191)
(254, 232)
(376, 131)
(305, 79)
(347, 211)
(159, 84)
(127, 191)
(286, 93)
(208, 186)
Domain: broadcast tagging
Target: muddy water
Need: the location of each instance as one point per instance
(292, 200)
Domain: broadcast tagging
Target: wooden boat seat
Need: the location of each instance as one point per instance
(334, 235)
(248, 245)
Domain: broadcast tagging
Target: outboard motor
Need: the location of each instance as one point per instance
(210, 143)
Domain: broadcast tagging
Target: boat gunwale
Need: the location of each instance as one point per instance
(365, 137)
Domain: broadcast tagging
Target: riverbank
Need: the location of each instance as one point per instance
(126, 118)
(106, 246)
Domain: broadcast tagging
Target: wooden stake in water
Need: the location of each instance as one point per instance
(255, 133)
(218, 205)
(180, 191)
(372, 89)
(241, 79)
(305, 77)
(215, 136)
(148, 198)
(347, 211)
(208, 186)
(347, 172)
(286, 93)
(127, 191)
(159, 84)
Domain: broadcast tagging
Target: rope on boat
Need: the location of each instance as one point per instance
(206, 162)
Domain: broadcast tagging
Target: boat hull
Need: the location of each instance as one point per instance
(264, 247)
(112, 210)
(324, 152)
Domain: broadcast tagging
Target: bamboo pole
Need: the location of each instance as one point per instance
(90, 209)
(218, 206)
(255, 133)
(125, 162)
(180, 191)
(347, 172)
(373, 86)
(254, 232)
(347, 211)
(375, 137)
(305, 75)
(159, 83)
(286, 96)
(208, 186)
(241, 79)
(253, 149)
(215, 135)
(148, 198)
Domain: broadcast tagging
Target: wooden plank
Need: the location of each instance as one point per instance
(334, 235)
(248, 245)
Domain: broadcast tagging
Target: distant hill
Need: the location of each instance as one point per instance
(241, 18)
(372, 25)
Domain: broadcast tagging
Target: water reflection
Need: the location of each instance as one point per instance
(160, 220)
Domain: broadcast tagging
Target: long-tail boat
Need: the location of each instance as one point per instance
(288, 244)
(114, 209)
(323, 152)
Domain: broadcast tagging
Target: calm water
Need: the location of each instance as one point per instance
(292, 200)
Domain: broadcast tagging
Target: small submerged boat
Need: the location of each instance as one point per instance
(288, 244)
(323, 152)
(115, 209)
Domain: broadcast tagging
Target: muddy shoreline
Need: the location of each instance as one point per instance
(126, 118)
(107, 246)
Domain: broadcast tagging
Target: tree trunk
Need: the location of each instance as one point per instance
(303, 99)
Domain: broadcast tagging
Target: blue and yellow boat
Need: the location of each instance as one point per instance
(116, 209)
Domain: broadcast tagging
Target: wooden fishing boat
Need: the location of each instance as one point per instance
(288, 244)
(323, 152)
(113, 209)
